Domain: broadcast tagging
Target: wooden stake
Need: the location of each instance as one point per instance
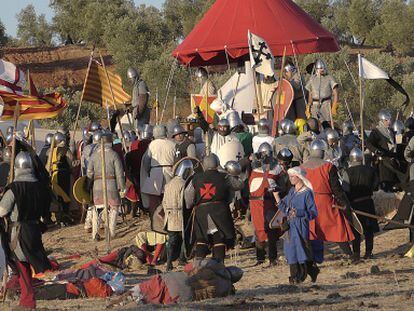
(13, 156)
(105, 196)
(278, 94)
(113, 103)
(75, 128)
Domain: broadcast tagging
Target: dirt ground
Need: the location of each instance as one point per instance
(383, 283)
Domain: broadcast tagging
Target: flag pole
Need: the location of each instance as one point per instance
(31, 123)
(113, 103)
(105, 196)
(278, 95)
(361, 116)
(157, 108)
(13, 156)
(75, 128)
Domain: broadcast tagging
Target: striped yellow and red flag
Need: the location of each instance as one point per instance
(204, 103)
(97, 88)
(31, 107)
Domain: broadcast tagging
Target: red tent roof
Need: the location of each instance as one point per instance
(280, 22)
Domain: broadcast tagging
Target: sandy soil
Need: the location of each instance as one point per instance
(383, 283)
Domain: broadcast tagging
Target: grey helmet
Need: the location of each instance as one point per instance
(23, 161)
(211, 162)
(332, 136)
(185, 169)
(288, 126)
(59, 138)
(48, 139)
(285, 155)
(234, 119)
(320, 64)
(10, 130)
(132, 73)
(290, 68)
(398, 127)
(127, 136)
(95, 126)
(263, 127)
(96, 138)
(347, 127)
(107, 137)
(147, 131)
(6, 154)
(86, 135)
(265, 151)
(171, 124)
(198, 135)
(356, 155)
(201, 73)
(384, 114)
(223, 127)
(9, 139)
(318, 148)
(160, 131)
(177, 130)
(233, 168)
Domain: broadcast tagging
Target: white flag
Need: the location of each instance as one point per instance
(368, 70)
(261, 57)
(12, 79)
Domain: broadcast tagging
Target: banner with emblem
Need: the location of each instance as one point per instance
(261, 57)
(203, 102)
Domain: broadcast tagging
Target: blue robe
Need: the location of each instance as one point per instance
(296, 245)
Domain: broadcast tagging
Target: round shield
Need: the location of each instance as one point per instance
(80, 192)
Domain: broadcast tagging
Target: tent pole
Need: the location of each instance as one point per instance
(75, 127)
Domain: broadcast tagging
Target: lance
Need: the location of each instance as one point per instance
(105, 196)
(376, 217)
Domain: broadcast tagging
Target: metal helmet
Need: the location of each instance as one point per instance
(263, 126)
(223, 127)
(356, 155)
(398, 127)
(290, 68)
(107, 137)
(332, 136)
(132, 73)
(185, 169)
(285, 155)
(313, 124)
(64, 130)
(9, 139)
(6, 154)
(95, 126)
(211, 162)
(59, 138)
(177, 130)
(10, 130)
(127, 136)
(320, 64)
(234, 119)
(23, 161)
(147, 131)
(201, 73)
(409, 123)
(160, 131)
(265, 150)
(384, 114)
(347, 127)
(198, 135)
(288, 126)
(233, 168)
(318, 148)
(96, 138)
(48, 138)
(171, 124)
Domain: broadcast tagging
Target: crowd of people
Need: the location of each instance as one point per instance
(301, 186)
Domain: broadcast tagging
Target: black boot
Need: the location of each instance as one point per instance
(219, 252)
(312, 270)
(260, 255)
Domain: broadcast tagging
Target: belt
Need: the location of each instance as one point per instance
(107, 177)
(361, 199)
(210, 202)
(160, 166)
(257, 198)
(321, 100)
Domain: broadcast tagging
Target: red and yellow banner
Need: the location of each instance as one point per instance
(31, 107)
(204, 103)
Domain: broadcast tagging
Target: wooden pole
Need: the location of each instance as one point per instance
(361, 117)
(157, 108)
(278, 95)
(31, 129)
(105, 196)
(175, 105)
(75, 127)
(49, 157)
(13, 156)
(113, 103)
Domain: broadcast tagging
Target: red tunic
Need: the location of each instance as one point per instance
(330, 225)
(262, 206)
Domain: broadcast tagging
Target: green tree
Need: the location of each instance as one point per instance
(318, 9)
(3, 36)
(361, 19)
(33, 29)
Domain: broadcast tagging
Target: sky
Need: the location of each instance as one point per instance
(10, 8)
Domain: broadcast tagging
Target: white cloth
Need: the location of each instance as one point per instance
(259, 139)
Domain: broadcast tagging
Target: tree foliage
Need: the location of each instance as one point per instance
(3, 37)
(33, 29)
